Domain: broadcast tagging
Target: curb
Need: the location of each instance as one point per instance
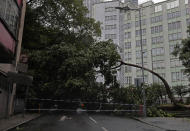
(22, 123)
(151, 124)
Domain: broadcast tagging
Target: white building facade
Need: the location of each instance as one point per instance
(164, 25)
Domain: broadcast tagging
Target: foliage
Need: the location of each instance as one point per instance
(155, 94)
(133, 95)
(188, 101)
(64, 55)
(154, 112)
(183, 52)
(179, 90)
(130, 95)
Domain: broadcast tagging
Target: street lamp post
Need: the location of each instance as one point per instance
(127, 8)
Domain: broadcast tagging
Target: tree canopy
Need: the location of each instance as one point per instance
(64, 54)
(183, 52)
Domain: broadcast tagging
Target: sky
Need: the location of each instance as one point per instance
(142, 1)
(156, 1)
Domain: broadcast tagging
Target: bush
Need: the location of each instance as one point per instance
(188, 101)
(154, 112)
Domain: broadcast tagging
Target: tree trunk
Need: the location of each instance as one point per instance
(168, 90)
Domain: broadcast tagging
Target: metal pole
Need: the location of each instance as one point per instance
(141, 40)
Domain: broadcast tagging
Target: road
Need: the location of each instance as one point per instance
(85, 122)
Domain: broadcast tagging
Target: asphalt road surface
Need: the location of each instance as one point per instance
(85, 122)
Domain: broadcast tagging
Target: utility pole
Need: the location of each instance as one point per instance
(127, 8)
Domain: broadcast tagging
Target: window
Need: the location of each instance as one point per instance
(110, 9)
(138, 42)
(157, 51)
(128, 80)
(112, 17)
(172, 47)
(174, 25)
(187, 11)
(158, 65)
(127, 26)
(176, 76)
(173, 4)
(175, 36)
(157, 40)
(127, 45)
(129, 16)
(127, 35)
(156, 19)
(158, 8)
(128, 69)
(188, 22)
(128, 56)
(138, 54)
(138, 32)
(156, 29)
(110, 27)
(110, 36)
(186, 1)
(174, 15)
(175, 63)
(137, 23)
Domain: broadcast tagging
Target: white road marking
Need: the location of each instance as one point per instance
(104, 129)
(93, 120)
(62, 118)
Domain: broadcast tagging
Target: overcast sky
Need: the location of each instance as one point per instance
(156, 1)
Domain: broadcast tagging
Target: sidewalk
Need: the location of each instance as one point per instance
(16, 120)
(167, 123)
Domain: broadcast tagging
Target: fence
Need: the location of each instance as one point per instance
(44, 105)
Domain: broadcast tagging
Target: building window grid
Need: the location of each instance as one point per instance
(128, 69)
(157, 51)
(127, 26)
(127, 45)
(110, 27)
(127, 35)
(110, 36)
(157, 40)
(173, 15)
(174, 25)
(143, 22)
(110, 9)
(158, 65)
(156, 19)
(158, 8)
(187, 11)
(175, 63)
(138, 32)
(156, 29)
(138, 42)
(173, 4)
(138, 54)
(178, 76)
(186, 1)
(188, 22)
(112, 17)
(128, 80)
(128, 56)
(175, 36)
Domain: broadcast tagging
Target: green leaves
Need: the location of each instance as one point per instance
(183, 52)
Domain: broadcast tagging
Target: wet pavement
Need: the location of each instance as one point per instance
(85, 122)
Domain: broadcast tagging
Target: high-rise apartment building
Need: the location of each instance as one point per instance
(89, 4)
(131, 1)
(164, 25)
(110, 19)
